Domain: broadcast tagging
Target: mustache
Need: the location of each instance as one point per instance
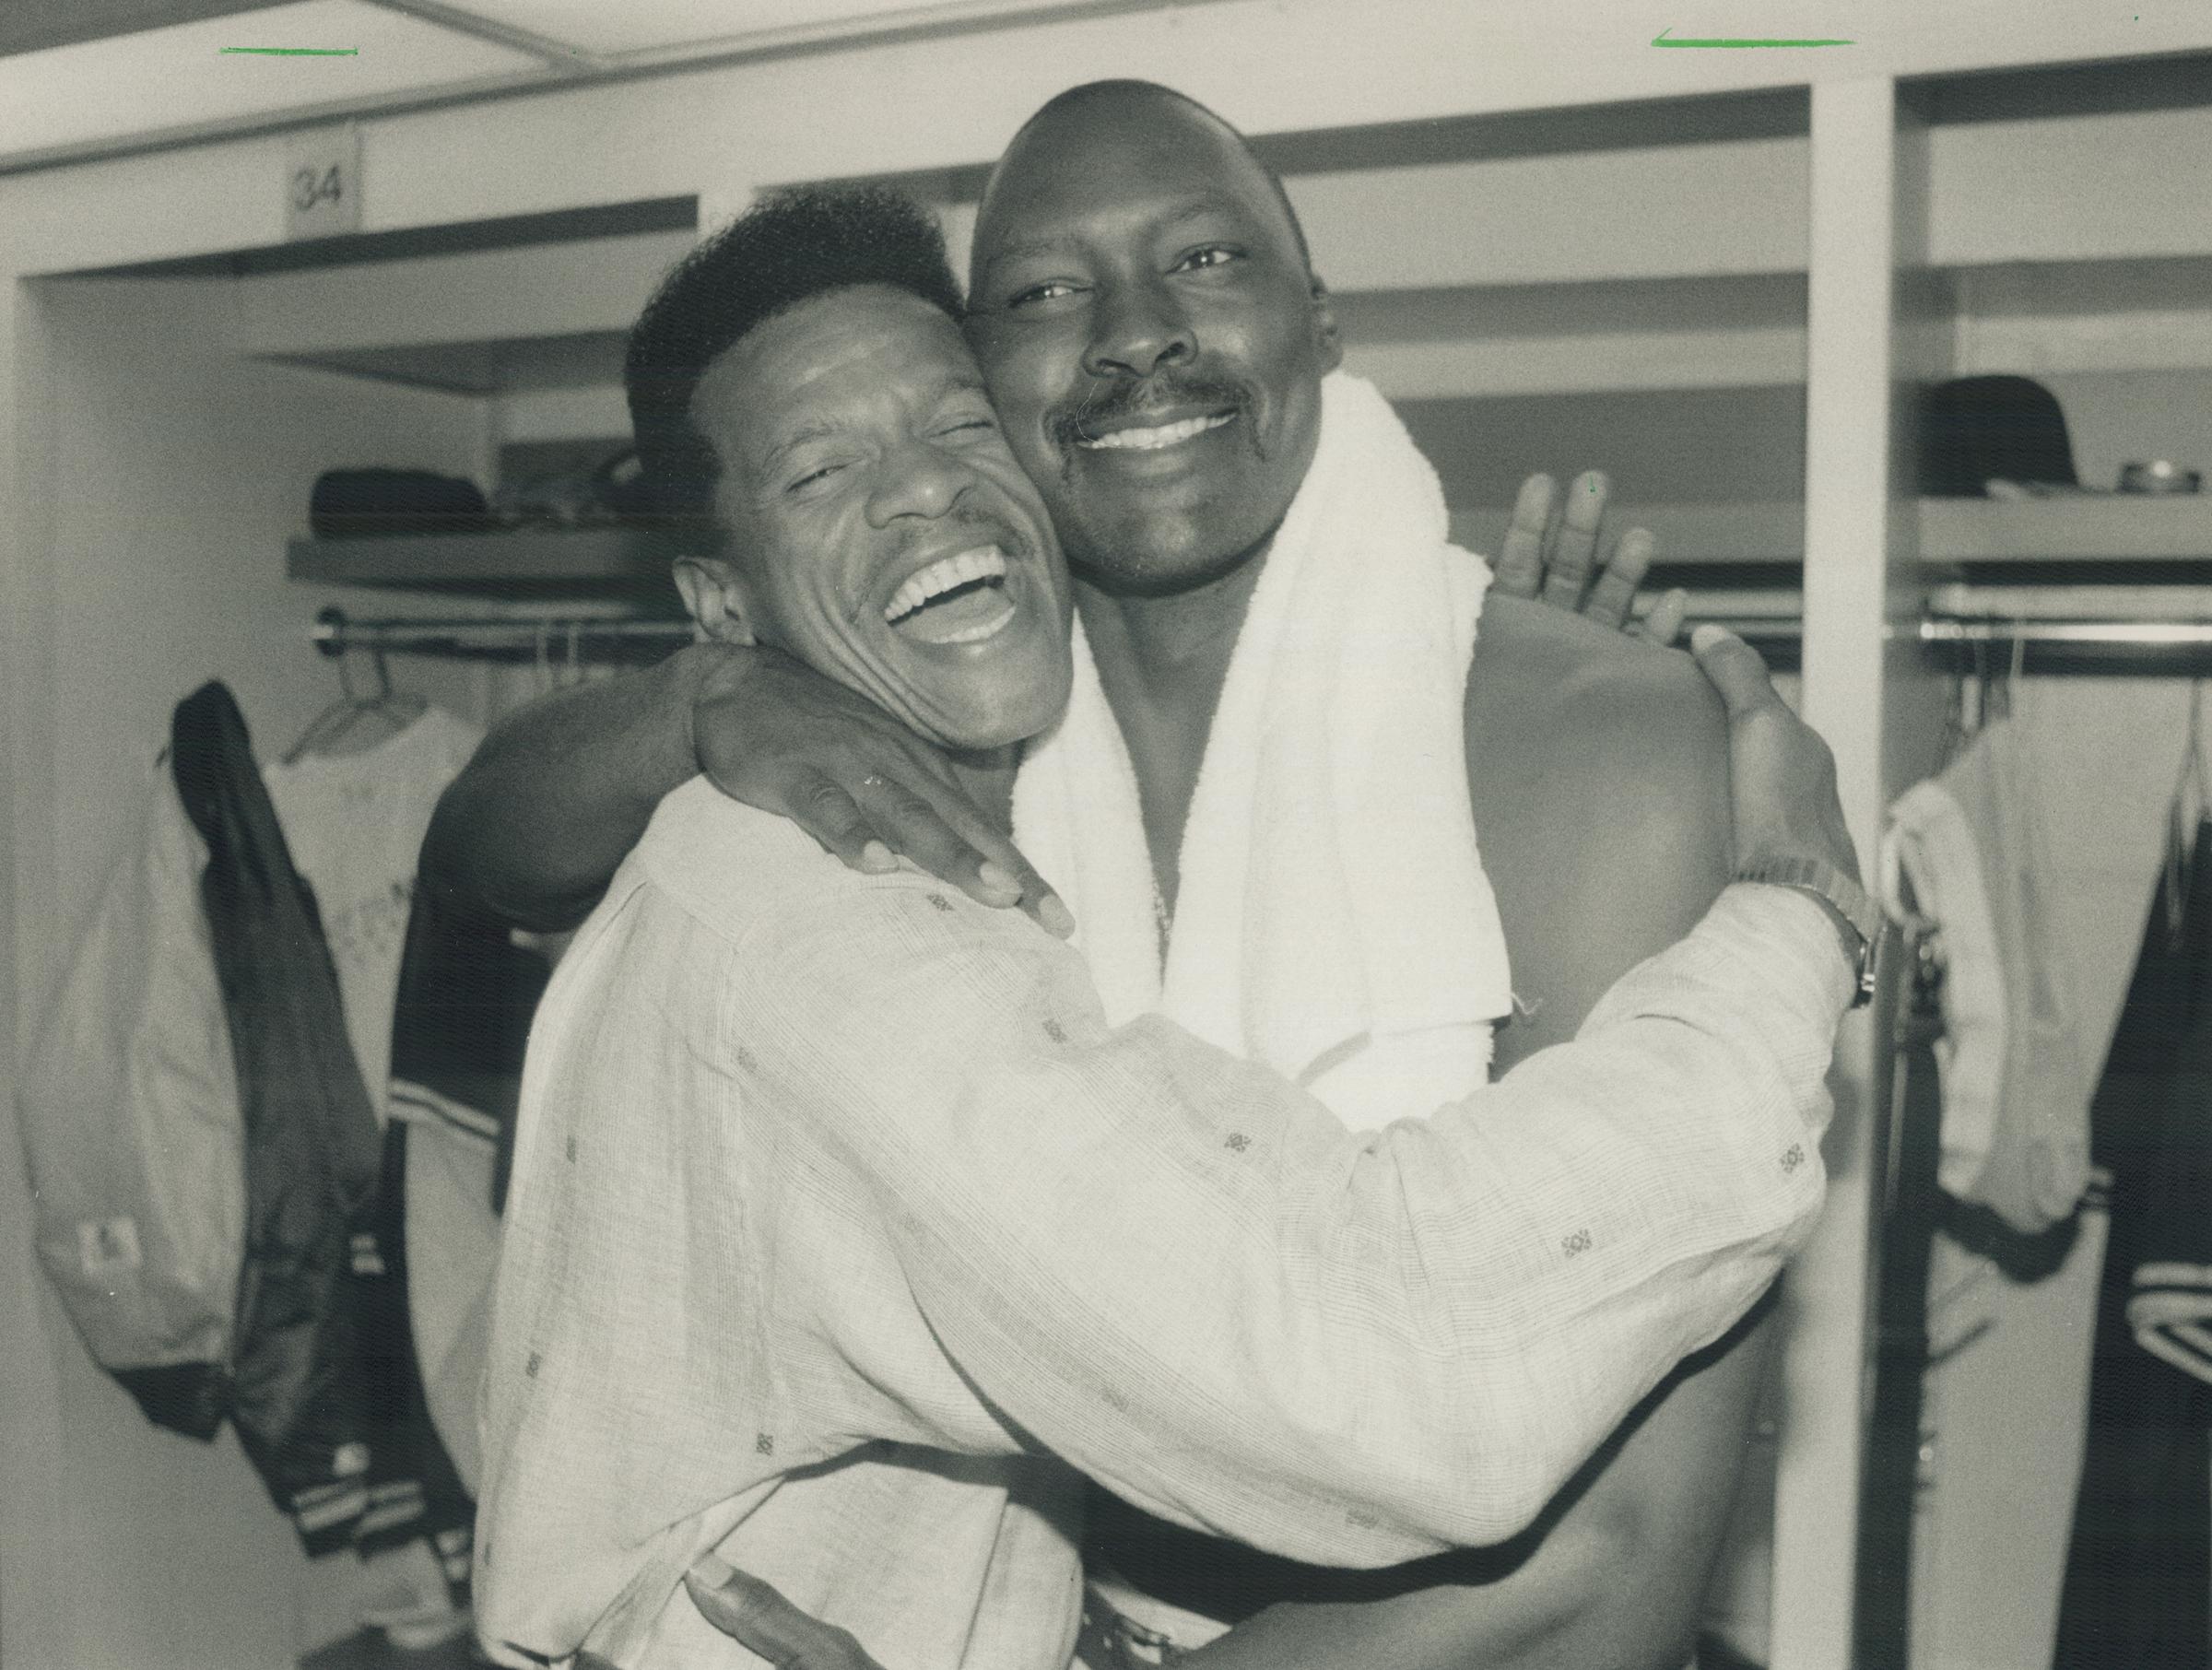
(978, 527)
(1080, 420)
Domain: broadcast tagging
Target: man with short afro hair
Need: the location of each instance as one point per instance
(791, 245)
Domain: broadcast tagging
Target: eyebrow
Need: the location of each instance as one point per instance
(1190, 209)
(1025, 249)
(954, 383)
(795, 441)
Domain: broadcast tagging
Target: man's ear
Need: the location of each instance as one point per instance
(1326, 334)
(714, 593)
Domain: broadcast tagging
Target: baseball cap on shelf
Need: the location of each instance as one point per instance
(1974, 431)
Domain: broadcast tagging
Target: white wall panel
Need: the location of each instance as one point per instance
(179, 75)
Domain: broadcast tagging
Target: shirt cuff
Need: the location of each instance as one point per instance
(1789, 932)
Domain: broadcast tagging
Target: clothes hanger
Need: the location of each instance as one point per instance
(2016, 664)
(2191, 804)
(1955, 725)
(1968, 703)
(383, 707)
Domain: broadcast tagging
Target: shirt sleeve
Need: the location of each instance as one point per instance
(1183, 1276)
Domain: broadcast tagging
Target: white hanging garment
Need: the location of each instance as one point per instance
(2015, 1094)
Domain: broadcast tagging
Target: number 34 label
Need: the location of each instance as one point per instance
(323, 183)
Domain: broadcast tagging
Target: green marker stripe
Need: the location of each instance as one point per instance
(299, 51)
(1665, 38)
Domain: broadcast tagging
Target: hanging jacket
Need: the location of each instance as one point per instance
(132, 1135)
(460, 1027)
(413, 1487)
(461, 1024)
(2170, 1273)
(134, 1121)
(313, 1150)
(2139, 1572)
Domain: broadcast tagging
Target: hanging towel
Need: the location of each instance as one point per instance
(2016, 1099)
(1333, 920)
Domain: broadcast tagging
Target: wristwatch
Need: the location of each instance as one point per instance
(1850, 906)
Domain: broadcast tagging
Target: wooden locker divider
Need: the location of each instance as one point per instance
(1878, 702)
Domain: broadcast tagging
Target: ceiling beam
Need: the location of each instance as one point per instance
(553, 54)
(572, 69)
(32, 26)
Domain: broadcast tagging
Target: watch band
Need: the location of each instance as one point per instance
(1852, 903)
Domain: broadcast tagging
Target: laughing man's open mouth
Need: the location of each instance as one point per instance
(957, 599)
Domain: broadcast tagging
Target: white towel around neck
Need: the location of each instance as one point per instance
(1333, 920)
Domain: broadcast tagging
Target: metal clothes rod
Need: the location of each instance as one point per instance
(1978, 642)
(559, 640)
(1945, 629)
(2079, 642)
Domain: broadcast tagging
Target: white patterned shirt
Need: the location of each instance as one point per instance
(838, 1211)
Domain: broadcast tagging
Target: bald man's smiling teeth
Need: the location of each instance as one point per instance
(1151, 438)
(957, 599)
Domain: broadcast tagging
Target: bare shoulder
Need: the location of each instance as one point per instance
(1598, 769)
(1549, 690)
